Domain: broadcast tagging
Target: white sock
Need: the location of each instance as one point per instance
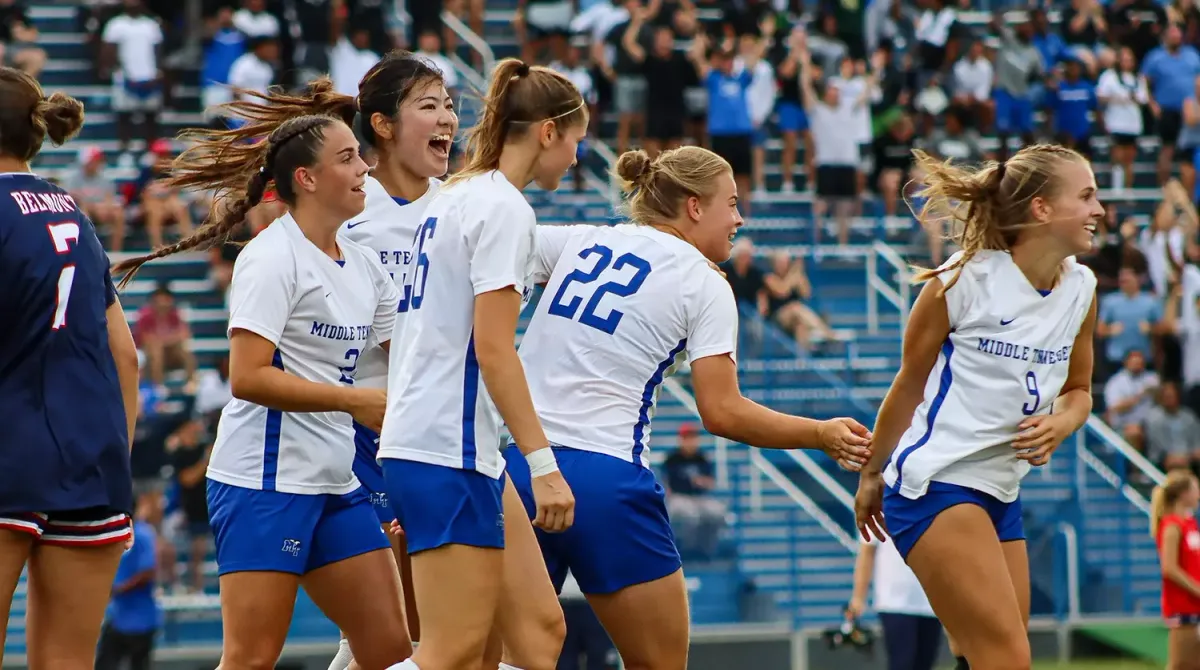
(407, 665)
(342, 659)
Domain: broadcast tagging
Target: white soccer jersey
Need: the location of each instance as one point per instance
(387, 228)
(477, 236)
(320, 314)
(621, 306)
(1006, 359)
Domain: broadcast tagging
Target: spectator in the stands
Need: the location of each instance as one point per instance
(760, 101)
(429, 47)
(155, 424)
(1122, 94)
(629, 81)
(163, 334)
(746, 280)
(937, 42)
(313, 33)
(1187, 16)
(791, 119)
(1184, 310)
(894, 162)
(1127, 319)
(257, 69)
(574, 69)
(213, 392)
(1137, 24)
(1072, 101)
(543, 25)
(788, 295)
(1128, 397)
(96, 194)
(134, 615)
(253, 20)
(730, 130)
(696, 515)
(1047, 40)
(18, 39)
(973, 80)
(1083, 30)
(223, 45)
(131, 57)
(161, 204)
(955, 140)
(350, 56)
(858, 90)
(1189, 139)
(188, 449)
(1171, 71)
(1164, 241)
(1018, 66)
(1172, 431)
(826, 50)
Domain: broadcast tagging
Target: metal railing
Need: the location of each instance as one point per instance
(900, 297)
(764, 468)
(464, 32)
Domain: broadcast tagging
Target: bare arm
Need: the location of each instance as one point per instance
(921, 348)
(254, 379)
(629, 40)
(1074, 401)
(124, 353)
(1169, 558)
(496, 316)
(864, 572)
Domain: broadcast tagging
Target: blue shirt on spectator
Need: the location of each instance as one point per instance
(1072, 102)
(226, 46)
(1172, 76)
(1130, 312)
(136, 610)
(1052, 48)
(728, 110)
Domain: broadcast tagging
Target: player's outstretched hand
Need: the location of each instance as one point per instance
(367, 407)
(846, 441)
(555, 503)
(1040, 436)
(868, 507)
(395, 529)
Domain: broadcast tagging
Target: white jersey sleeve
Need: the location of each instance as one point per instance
(262, 291)
(551, 240)
(499, 246)
(960, 296)
(712, 315)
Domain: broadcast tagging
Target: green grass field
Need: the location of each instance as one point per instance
(1094, 665)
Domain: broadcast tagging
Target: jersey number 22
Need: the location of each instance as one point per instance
(607, 324)
(63, 235)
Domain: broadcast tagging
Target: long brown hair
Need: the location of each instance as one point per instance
(987, 208)
(518, 97)
(28, 117)
(239, 171)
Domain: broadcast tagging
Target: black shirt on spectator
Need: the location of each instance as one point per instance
(682, 470)
(745, 287)
(313, 18)
(666, 79)
(1089, 36)
(624, 64)
(892, 153)
(1145, 37)
(10, 15)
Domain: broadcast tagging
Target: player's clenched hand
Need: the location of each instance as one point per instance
(1040, 436)
(846, 441)
(868, 507)
(367, 407)
(555, 503)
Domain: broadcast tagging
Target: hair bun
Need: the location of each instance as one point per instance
(522, 70)
(634, 168)
(61, 116)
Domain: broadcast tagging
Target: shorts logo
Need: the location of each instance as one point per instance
(500, 520)
(291, 547)
(379, 499)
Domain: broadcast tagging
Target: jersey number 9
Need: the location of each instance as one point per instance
(607, 324)
(413, 290)
(1031, 386)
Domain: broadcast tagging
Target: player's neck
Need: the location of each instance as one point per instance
(10, 164)
(400, 183)
(1040, 266)
(516, 164)
(1181, 510)
(672, 231)
(320, 230)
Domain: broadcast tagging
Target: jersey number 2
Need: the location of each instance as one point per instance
(63, 235)
(1029, 409)
(609, 323)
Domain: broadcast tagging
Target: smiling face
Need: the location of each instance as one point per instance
(559, 148)
(1072, 213)
(715, 219)
(336, 179)
(420, 137)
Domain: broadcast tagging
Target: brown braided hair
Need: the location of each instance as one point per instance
(239, 170)
(987, 208)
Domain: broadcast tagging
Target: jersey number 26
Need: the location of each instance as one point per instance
(607, 324)
(412, 290)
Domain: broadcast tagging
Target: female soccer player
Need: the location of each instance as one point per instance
(404, 114)
(996, 372)
(68, 393)
(454, 374)
(622, 305)
(1173, 525)
(285, 506)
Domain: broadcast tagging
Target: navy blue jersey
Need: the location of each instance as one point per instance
(64, 444)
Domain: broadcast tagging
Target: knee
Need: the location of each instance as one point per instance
(543, 641)
(1010, 655)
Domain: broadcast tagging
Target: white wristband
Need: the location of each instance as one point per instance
(541, 462)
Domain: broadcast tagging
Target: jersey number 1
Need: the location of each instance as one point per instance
(63, 235)
(607, 324)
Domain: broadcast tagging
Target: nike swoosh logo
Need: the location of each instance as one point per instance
(1005, 323)
(356, 223)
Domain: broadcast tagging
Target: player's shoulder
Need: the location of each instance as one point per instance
(1079, 275)
(271, 244)
(486, 189)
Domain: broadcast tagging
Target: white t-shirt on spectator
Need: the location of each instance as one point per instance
(760, 96)
(1125, 93)
(442, 64)
(1123, 386)
(136, 39)
(896, 588)
(580, 76)
(251, 73)
(973, 78)
(855, 112)
(1189, 325)
(1160, 248)
(934, 27)
(212, 392)
(831, 144)
(256, 24)
(348, 65)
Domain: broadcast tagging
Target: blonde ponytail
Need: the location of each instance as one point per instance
(1158, 508)
(1165, 495)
